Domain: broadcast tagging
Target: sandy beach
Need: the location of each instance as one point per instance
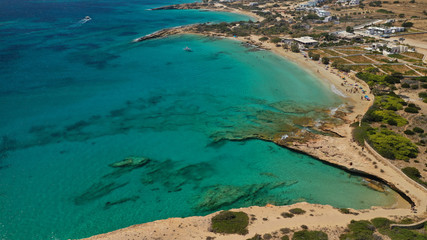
(342, 152)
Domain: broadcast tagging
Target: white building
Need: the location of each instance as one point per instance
(322, 13)
(253, 4)
(305, 42)
(395, 49)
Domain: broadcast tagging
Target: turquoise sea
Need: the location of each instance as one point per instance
(78, 96)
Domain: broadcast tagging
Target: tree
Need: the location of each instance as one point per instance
(275, 40)
(407, 24)
(401, 15)
(325, 60)
(315, 57)
(349, 29)
(295, 48)
(263, 39)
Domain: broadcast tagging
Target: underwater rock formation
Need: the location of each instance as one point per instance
(133, 162)
(97, 190)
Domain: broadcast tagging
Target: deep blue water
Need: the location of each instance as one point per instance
(76, 97)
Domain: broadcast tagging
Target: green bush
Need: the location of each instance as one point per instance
(263, 39)
(409, 132)
(418, 130)
(285, 230)
(286, 237)
(381, 222)
(230, 222)
(411, 110)
(359, 230)
(360, 134)
(392, 145)
(405, 85)
(310, 235)
(390, 102)
(390, 117)
(287, 215)
(414, 86)
(275, 40)
(407, 24)
(345, 210)
(325, 60)
(295, 48)
(256, 237)
(297, 211)
(315, 57)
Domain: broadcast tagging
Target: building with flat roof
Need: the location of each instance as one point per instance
(305, 42)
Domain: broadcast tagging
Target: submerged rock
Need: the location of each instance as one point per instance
(131, 162)
(97, 190)
(120, 201)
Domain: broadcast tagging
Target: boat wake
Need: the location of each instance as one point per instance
(81, 22)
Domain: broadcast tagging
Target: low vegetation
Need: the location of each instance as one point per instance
(230, 223)
(297, 211)
(414, 174)
(365, 230)
(310, 235)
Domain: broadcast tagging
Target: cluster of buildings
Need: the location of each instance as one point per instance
(348, 2)
(388, 48)
(384, 31)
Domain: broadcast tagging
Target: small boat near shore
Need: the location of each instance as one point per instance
(187, 49)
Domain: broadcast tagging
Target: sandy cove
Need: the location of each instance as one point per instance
(341, 152)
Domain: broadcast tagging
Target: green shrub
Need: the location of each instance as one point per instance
(422, 94)
(414, 86)
(391, 145)
(286, 237)
(295, 48)
(360, 134)
(345, 210)
(230, 222)
(409, 132)
(418, 130)
(359, 230)
(267, 236)
(256, 237)
(407, 24)
(287, 215)
(263, 39)
(381, 222)
(285, 230)
(389, 102)
(390, 117)
(310, 235)
(405, 85)
(316, 57)
(325, 60)
(275, 40)
(297, 211)
(411, 110)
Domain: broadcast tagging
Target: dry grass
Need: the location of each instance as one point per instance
(331, 53)
(350, 52)
(340, 60)
(397, 68)
(379, 58)
(421, 70)
(359, 59)
(414, 55)
(360, 68)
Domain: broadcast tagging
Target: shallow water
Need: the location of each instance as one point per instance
(78, 97)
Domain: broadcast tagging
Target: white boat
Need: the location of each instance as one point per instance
(188, 49)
